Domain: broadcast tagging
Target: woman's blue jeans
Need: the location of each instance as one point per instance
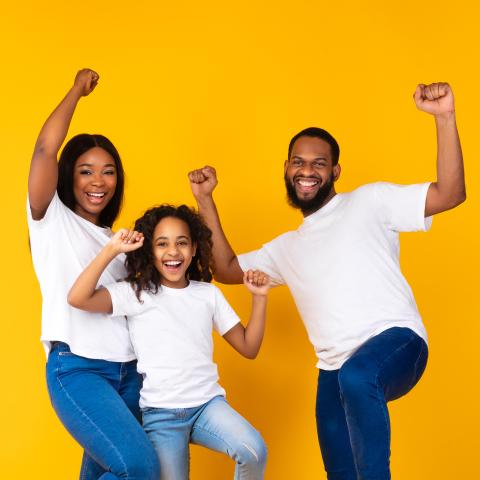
(352, 416)
(97, 402)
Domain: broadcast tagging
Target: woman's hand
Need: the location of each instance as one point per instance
(85, 81)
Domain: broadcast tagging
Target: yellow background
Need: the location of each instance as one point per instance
(228, 84)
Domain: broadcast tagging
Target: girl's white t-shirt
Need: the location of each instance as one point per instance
(171, 333)
(62, 245)
(342, 266)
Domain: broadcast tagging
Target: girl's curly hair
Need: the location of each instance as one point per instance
(141, 271)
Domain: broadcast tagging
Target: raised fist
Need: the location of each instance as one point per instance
(125, 241)
(436, 98)
(203, 181)
(257, 282)
(85, 81)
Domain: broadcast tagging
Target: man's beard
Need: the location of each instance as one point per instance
(312, 205)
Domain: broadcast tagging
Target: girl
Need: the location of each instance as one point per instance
(71, 207)
(172, 309)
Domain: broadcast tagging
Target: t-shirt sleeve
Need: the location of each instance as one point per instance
(54, 210)
(224, 317)
(402, 207)
(124, 300)
(261, 260)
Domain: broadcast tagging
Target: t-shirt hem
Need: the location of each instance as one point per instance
(337, 365)
(82, 353)
(193, 404)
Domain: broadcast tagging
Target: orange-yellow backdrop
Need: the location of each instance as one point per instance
(228, 83)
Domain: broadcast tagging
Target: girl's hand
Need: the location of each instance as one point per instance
(257, 282)
(85, 81)
(126, 241)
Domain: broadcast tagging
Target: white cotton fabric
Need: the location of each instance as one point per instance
(342, 267)
(171, 332)
(62, 244)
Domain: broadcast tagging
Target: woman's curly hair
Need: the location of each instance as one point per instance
(141, 271)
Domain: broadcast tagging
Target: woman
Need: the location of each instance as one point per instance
(91, 367)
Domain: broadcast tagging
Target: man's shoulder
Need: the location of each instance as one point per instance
(363, 194)
(365, 189)
(280, 239)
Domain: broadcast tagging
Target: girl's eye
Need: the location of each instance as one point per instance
(85, 172)
(109, 172)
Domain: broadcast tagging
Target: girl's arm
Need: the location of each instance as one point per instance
(84, 294)
(42, 180)
(247, 340)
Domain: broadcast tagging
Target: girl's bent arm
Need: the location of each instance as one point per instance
(42, 180)
(84, 294)
(247, 340)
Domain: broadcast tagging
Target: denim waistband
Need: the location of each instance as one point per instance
(60, 346)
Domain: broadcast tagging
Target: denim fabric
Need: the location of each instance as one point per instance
(214, 425)
(97, 401)
(352, 416)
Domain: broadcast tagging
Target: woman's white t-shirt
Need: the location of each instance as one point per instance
(171, 333)
(343, 269)
(62, 245)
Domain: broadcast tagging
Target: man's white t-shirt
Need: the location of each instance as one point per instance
(342, 267)
(62, 245)
(171, 332)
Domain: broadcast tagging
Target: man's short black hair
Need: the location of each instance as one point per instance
(317, 133)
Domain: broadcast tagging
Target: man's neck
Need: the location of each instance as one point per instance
(306, 213)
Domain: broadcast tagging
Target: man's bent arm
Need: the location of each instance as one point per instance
(449, 189)
(226, 266)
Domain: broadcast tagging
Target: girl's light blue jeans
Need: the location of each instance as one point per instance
(97, 401)
(214, 425)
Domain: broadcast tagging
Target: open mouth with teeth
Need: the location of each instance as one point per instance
(172, 265)
(96, 197)
(306, 185)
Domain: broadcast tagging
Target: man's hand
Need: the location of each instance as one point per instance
(436, 99)
(85, 81)
(203, 181)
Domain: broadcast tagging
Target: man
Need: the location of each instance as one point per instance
(342, 267)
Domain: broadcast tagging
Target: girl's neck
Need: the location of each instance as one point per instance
(183, 283)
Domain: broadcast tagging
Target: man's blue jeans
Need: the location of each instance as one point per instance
(215, 425)
(97, 401)
(352, 417)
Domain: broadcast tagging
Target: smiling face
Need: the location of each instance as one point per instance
(310, 174)
(173, 250)
(94, 183)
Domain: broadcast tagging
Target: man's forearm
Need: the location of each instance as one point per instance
(226, 266)
(450, 174)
